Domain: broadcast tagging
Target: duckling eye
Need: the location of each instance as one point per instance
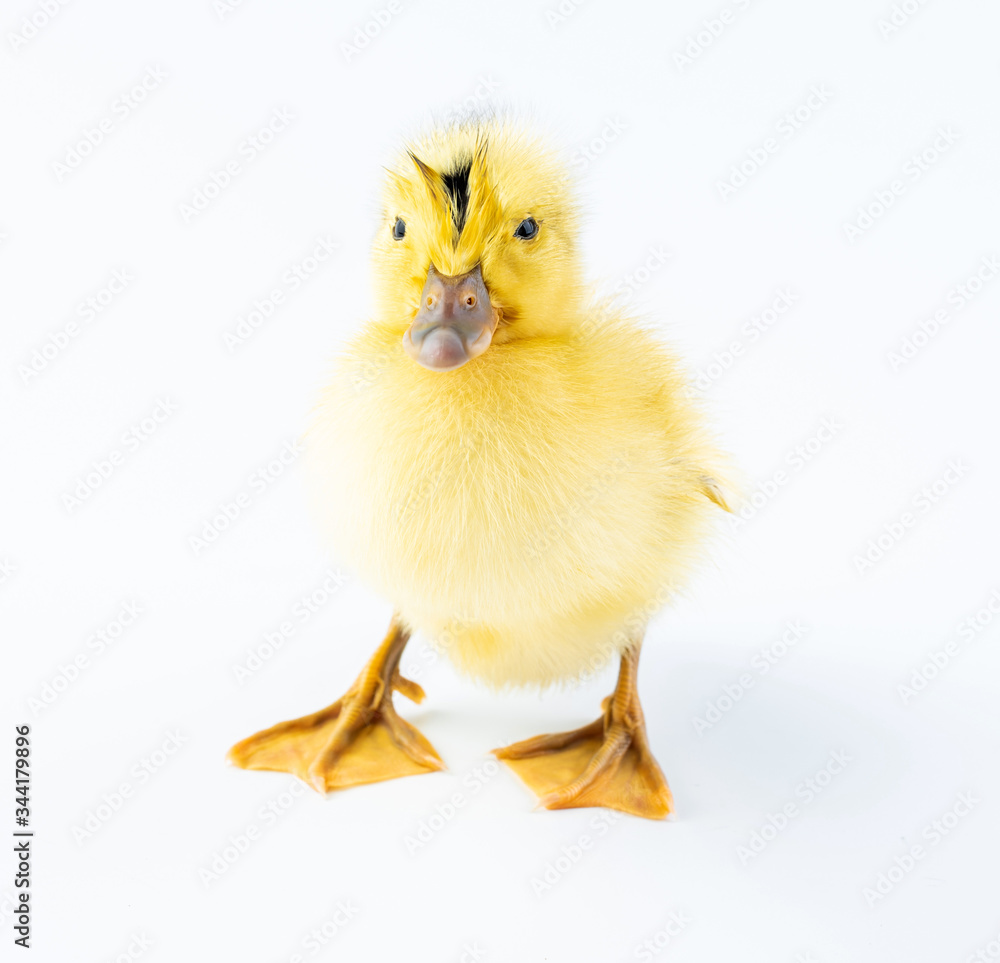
(399, 229)
(527, 229)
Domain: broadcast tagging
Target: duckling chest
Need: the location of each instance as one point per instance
(492, 499)
(473, 500)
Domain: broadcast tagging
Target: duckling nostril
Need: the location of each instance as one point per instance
(470, 300)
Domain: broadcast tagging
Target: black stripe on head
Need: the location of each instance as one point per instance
(456, 185)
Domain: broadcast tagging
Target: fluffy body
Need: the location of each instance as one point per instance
(529, 511)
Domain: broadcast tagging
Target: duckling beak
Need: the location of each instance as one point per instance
(455, 322)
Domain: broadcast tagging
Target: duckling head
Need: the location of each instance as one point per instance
(478, 245)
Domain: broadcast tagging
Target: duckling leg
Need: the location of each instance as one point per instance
(607, 763)
(358, 739)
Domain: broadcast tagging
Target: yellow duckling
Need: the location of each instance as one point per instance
(516, 465)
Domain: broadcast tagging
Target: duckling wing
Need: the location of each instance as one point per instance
(712, 490)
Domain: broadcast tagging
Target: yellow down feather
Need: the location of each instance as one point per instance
(529, 511)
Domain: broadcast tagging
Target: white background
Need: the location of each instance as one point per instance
(652, 139)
